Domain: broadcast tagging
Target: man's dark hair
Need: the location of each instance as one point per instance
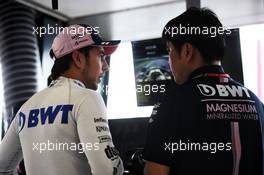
(63, 64)
(201, 28)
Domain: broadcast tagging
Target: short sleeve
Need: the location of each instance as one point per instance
(159, 135)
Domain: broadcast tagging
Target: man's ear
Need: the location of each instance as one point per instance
(77, 59)
(187, 51)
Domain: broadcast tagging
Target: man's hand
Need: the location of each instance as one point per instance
(152, 168)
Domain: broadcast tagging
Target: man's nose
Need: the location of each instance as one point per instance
(105, 66)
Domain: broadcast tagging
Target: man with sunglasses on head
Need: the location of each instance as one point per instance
(63, 129)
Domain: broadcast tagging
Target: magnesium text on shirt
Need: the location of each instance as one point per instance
(228, 102)
(41, 115)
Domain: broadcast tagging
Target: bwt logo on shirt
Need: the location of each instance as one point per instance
(223, 90)
(41, 115)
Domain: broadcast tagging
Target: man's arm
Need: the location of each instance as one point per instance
(92, 126)
(159, 135)
(152, 168)
(10, 150)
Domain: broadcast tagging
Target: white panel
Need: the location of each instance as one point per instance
(252, 37)
(77, 8)
(135, 24)
(126, 16)
(144, 23)
(47, 64)
(237, 12)
(122, 100)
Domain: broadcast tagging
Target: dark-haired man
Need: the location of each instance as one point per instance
(63, 129)
(208, 123)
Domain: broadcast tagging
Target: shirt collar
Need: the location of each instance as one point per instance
(207, 69)
(62, 79)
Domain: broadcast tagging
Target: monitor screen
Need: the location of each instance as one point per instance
(152, 70)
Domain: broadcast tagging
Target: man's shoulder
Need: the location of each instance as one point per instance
(176, 99)
(250, 92)
(89, 93)
(55, 95)
(184, 92)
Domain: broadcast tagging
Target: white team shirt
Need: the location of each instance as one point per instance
(61, 130)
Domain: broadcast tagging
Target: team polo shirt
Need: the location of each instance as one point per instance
(62, 130)
(210, 125)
